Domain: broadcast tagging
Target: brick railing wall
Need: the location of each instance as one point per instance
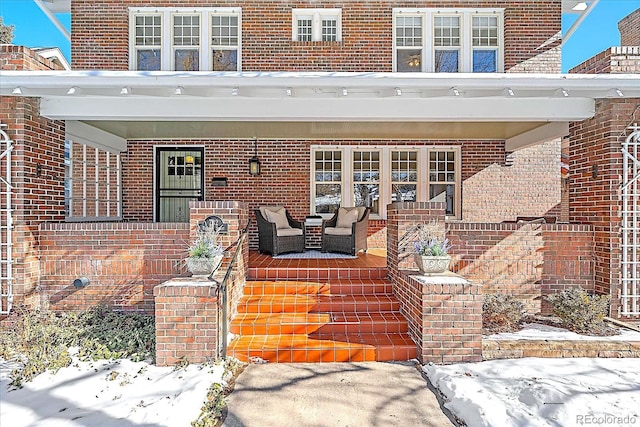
(124, 261)
(444, 312)
(189, 311)
(13, 57)
(527, 260)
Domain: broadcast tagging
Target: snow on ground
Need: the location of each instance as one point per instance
(541, 392)
(536, 331)
(108, 393)
(517, 392)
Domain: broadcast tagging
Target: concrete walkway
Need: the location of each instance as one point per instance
(333, 394)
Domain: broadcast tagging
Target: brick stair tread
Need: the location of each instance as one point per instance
(335, 348)
(318, 303)
(291, 323)
(299, 287)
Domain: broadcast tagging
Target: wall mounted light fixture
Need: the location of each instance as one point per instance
(254, 162)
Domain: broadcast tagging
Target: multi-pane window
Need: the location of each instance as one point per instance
(313, 25)
(409, 43)
(305, 28)
(442, 179)
(185, 39)
(366, 179)
(379, 175)
(448, 40)
(148, 42)
(404, 176)
(329, 29)
(186, 42)
(328, 181)
(224, 42)
(485, 44)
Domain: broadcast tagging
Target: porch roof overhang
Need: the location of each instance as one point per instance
(115, 106)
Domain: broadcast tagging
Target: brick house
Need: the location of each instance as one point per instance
(389, 104)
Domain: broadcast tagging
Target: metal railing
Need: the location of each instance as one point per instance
(222, 294)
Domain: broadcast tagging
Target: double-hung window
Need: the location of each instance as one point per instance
(317, 25)
(448, 40)
(376, 176)
(185, 39)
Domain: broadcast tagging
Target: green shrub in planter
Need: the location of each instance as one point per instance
(501, 313)
(580, 311)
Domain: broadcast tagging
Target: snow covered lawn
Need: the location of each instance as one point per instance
(542, 392)
(108, 393)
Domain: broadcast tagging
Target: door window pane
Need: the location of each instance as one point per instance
(328, 178)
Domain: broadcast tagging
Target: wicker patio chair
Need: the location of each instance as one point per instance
(278, 232)
(346, 231)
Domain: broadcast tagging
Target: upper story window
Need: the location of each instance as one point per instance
(317, 25)
(185, 39)
(448, 40)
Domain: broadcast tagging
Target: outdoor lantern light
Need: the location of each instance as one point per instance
(254, 162)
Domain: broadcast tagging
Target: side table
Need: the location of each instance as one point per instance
(313, 233)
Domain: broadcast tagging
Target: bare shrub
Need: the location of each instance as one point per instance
(501, 313)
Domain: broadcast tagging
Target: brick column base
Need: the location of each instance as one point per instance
(444, 311)
(186, 321)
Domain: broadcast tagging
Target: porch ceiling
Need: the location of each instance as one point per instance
(314, 130)
(521, 108)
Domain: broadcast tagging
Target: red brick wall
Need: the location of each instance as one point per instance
(615, 60)
(596, 170)
(99, 32)
(186, 315)
(529, 187)
(527, 260)
(285, 177)
(629, 28)
(124, 261)
(444, 312)
(15, 58)
(37, 169)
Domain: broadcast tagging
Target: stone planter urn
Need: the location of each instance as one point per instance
(202, 267)
(429, 264)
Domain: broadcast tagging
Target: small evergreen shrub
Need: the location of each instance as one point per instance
(580, 311)
(501, 313)
(40, 339)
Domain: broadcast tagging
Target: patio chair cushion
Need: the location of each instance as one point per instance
(338, 231)
(277, 215)
(286, 232)
(346, 217)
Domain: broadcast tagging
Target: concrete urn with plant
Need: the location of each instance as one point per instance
(431, 251)
(205, 252)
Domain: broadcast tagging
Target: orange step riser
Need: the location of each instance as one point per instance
(342, 289)
(328, 307)
(394, 327)
(311, 274)
(325, 355)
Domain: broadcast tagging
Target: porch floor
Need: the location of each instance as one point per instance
(320, 310)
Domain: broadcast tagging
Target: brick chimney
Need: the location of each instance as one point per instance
(629, 28)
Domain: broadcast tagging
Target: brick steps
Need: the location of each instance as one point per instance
(319, 323)
(318, 303)
(320, 320)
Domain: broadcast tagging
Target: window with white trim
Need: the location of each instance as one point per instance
(327, 188)
(317, 25)
(185, 39)
(448, 40)
(377, 176)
